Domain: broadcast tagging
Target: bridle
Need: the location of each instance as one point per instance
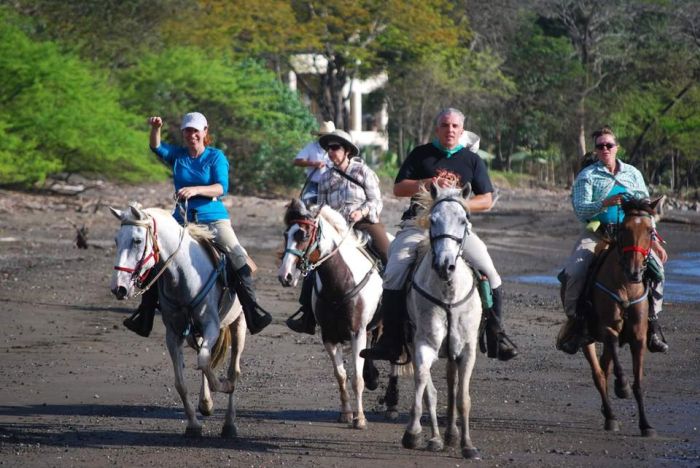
(305, 264)
(308, 262)
(140, 272)
(646, 253)
(465, 233)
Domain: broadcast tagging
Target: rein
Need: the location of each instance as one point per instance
(306, 266)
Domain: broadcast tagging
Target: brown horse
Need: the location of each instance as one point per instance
(620, 309)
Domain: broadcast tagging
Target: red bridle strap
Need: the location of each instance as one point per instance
(155, 254)
(636, 248)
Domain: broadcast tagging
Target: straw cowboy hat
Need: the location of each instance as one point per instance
(324, 129)
(339, 136)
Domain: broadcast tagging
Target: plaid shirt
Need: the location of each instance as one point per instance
(345, 196)
(593, 184)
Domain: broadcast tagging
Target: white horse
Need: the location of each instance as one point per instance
(195, 307)
(445, 310)
(346, 291)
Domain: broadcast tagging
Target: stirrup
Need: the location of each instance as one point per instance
(504, 340)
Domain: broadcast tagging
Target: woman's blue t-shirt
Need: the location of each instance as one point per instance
(211, 167)
(612, 214)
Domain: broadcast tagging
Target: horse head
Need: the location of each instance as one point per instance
(636, 236)
(136, 250)
(300, 239)
(448, 225)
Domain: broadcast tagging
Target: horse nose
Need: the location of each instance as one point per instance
(285, 280)
(119, 292)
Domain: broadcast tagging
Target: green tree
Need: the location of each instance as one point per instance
(58, 113)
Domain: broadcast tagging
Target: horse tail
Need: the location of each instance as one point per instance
(223, 343)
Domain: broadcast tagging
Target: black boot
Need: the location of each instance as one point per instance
(390, 343)
(499, 345)
(307, 322)
(141, 321)
(572, 336)
(256, 317)
(656, 342)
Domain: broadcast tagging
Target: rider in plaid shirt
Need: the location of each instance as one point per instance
(351, 188)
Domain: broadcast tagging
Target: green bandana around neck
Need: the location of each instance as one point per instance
(448, 152)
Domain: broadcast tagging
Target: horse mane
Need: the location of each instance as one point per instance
(426, 202)
(199, 232)
(638, 204)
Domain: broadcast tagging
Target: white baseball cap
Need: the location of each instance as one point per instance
(194, 120)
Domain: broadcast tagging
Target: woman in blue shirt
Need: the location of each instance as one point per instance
(200, 176)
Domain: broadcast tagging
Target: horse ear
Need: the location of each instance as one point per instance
(466, 190)
(117, 213)
(658, 205)
(433, 190)
(138, 214)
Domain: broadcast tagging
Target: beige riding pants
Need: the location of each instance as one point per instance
(576, 268)
(402, 255)
(226, 240)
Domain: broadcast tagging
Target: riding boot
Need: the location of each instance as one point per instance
(499, 345)
(573, 335)
(307, 322)
(656, 342)
(141, 321)
(390, 343)
(256, 317)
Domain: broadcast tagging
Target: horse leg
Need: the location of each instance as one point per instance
(622, 386)
(435, 444)
(238, 329)
(391, 397)
(209, 337)
(451, 432)
(423, 358)
(174, 345)
(637, 349)
(358, 382)
(600, 379)
(336, 354)
(464, 402)
(206, 404)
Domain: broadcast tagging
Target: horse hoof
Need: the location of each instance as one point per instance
(345, 417)
(206, 410)
(435, 445)
(623, 390)
(391, 415)
(193, 432)
(452, 439)
(649, 432)
(410, 441)
(612, 425)
(229, 431)
(358, 423)
(471, 453)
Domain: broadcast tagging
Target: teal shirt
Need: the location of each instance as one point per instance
(612, 214)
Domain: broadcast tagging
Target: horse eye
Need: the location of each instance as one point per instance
(300, 235)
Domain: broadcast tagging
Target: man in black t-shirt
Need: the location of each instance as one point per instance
(442, 161)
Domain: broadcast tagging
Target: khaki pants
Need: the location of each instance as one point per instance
(576, 268)
(226, 240)
(402, 254)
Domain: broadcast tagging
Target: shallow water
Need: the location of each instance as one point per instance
(682, 278)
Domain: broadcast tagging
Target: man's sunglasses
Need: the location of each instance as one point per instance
(605, 145)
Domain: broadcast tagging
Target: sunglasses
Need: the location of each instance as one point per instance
(605, 145)
(334, 147)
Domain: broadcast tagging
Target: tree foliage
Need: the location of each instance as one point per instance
(58, 113)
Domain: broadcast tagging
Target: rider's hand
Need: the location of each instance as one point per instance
(155, 122)
(185, 193)
(319, 164)
(660, 251)
(612, 201)
(356, 215)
